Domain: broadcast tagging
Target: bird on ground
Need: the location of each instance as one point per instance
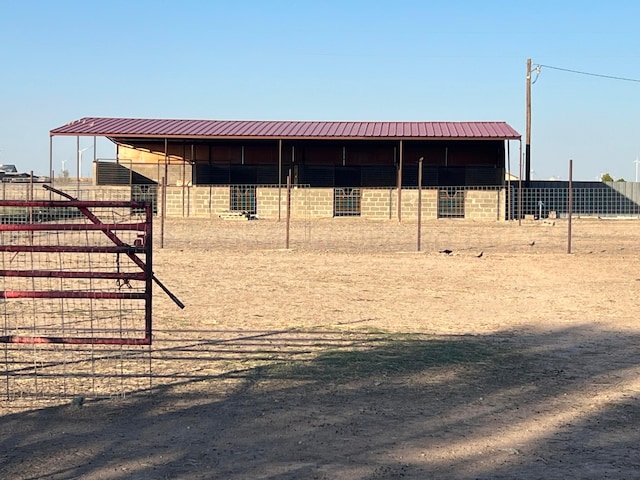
(480, 255)
(532, 243)
(447, 251)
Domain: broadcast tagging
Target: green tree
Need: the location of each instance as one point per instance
(606, 178)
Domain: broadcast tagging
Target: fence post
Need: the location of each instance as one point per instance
(569, 207)
(163, 211)
(419, 200)
(288, 222)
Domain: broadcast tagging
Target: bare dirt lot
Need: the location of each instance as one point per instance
(353, 356)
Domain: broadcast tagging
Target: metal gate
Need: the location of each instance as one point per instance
(75, 297)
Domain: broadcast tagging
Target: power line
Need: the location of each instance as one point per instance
(611, 77)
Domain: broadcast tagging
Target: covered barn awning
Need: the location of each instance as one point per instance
(320, 153)
(122, 129)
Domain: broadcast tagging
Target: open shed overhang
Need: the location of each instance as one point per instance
(127, 130)
(215, 149)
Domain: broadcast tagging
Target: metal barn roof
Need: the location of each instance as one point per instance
(250, 129)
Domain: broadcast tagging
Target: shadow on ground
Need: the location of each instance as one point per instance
(367, 405)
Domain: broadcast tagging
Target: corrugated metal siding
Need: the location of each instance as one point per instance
(144, 128)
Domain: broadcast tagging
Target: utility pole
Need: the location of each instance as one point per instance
(527, 145)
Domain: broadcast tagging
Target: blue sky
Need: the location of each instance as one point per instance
(330, 60)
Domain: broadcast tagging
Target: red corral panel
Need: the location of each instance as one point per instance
(167, 128)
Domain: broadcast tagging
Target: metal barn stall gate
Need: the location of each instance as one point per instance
(76, 297)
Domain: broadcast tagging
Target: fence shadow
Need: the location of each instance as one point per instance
(353, 405)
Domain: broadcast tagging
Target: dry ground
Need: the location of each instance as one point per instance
(353, 356)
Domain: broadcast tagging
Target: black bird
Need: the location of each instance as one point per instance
(532, 243)
(447, 251)
(479, 255)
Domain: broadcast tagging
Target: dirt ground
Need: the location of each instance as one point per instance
(351, 355)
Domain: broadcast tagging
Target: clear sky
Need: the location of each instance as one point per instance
(371, 60)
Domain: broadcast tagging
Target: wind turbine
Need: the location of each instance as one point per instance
(80, 161)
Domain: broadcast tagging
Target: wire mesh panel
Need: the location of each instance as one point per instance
(242, 198)
(347, 202)
(451, 203)
(603, 201)
(75, 287)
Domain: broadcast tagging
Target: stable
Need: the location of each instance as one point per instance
(367, 169)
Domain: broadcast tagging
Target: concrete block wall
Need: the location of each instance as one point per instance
(198, 202)
(379, 203)
(209, 201)
(382, 203)
(313, 203)
(306, 203)
(212, 201)
(410, 204)
(270, 201)
(484, 205)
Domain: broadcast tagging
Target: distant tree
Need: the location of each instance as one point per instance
(621, 180)
(606, 178)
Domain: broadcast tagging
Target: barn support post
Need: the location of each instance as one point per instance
(508, 180)
(166, 159)
(78, 166)
(95, 158)
(51, 176)
(400, 182)
(293, 162)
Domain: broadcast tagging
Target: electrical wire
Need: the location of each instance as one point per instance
(610, 77)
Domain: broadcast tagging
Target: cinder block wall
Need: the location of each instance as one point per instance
(199, 202)
(306, 203)
(379, 203)
(314, 203)
(410, 204)
(382, 203)
(208, 201)
(484, 204)
(268, 199)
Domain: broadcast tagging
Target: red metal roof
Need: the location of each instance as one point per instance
(166, 128)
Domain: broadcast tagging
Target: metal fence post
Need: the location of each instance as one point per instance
(569, 206)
